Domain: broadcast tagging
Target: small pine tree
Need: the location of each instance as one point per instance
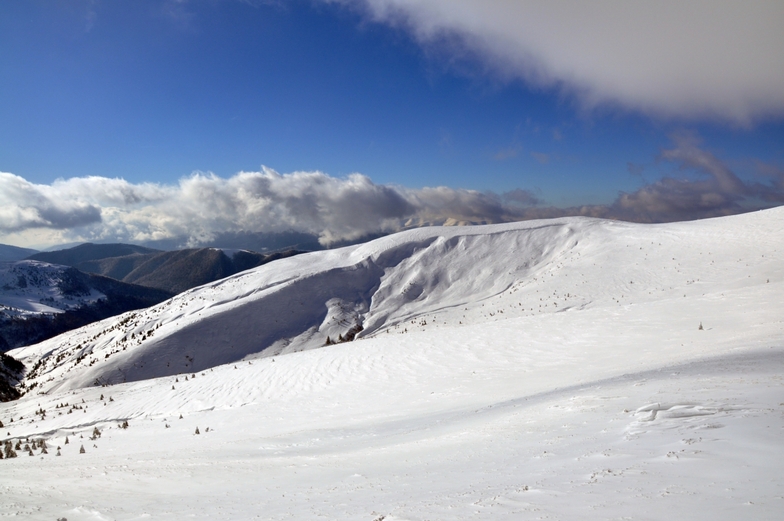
(66, 440)
(197, 431)
(81, 450)
(9, 450)
(700, 328)
(58, 452)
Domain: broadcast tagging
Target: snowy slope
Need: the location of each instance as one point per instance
(418, 279)
(31, 287)
(553, 369)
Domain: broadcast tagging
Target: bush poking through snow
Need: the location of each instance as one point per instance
(8, 450)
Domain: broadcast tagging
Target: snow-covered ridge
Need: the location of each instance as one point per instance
(592, 370)
(31, 287)
(410, 281)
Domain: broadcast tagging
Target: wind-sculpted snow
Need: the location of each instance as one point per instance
(570, 369)
(303, 303)
(406, 281)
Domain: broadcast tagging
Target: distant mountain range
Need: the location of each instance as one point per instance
(14, 253)
(88, 252)
(172, 271)
(260, 242)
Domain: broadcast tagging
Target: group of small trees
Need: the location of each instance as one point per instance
(9, 449)
(350, 335)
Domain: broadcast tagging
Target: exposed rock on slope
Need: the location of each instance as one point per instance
(11, 373)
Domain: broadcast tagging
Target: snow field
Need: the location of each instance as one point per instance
(611, 404)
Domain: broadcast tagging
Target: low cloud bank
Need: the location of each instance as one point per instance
(202, 206)
(690, 59)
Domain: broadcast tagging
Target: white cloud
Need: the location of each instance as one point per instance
(26, 205)
(203, 206)
(683, 59)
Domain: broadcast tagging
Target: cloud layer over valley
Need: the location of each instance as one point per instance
(203, 206)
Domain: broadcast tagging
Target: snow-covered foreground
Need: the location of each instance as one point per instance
(463, 402)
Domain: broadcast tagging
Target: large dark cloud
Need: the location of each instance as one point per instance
(689, 59)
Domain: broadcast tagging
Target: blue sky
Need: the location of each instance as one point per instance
(147, 96)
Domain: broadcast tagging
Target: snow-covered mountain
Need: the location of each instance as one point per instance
(30, 287)
(415, 280)
(39, 300)
(569, 368)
